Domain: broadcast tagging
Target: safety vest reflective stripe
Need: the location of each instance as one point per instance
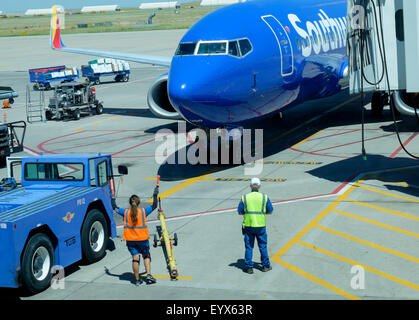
(254, 217)
(138, 232)
(134, 227)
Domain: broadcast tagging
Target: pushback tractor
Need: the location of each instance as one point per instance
(60, 213)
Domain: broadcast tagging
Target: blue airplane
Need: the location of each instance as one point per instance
(246, 61)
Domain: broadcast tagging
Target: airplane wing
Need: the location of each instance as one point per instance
(7, 93)
(57, 44)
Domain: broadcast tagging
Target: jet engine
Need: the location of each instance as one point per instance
(158, 99)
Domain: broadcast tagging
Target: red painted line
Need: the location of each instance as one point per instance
(404, 145)
(82, 138)
(333, 135)
(133, 147)
(347, 144)
(31, 150)
(125, 157)
(319, 154)
(235, 208)
(273, 202)
(337, 190)
(95, 143)
(41, 145)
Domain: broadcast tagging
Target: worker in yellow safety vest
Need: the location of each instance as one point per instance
(254, 206)
(136, 235)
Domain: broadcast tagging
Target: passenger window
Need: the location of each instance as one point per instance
(233, 48)
(92, 173)
(245, 46)
(212, 48)
(102, 173)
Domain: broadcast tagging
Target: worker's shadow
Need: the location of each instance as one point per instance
(239, 264)
(126, 276)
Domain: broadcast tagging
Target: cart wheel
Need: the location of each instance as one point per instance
(126, 78)
(97, 81)
(155, 241)
(48, 115)
(99, 108)
(175, 239)
(58, 116)
(76, 114)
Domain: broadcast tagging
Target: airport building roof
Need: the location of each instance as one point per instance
(156, 5)
(101, 8)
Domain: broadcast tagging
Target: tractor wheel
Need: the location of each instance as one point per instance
(94, 236)
(37, 261)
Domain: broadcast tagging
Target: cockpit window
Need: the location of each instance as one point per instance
(236, 48)
(186, 49)
(245, 46)
(233, 49)
(212, 48)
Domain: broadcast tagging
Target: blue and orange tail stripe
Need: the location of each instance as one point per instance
(56, 42)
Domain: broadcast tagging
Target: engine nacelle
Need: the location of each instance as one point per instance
(158, 99)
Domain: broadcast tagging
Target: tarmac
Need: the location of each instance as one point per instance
(333, 210)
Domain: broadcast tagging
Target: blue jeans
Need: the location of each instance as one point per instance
(249, 241)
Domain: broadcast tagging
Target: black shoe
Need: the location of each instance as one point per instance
(149, 279)
(248, 270)
(138, 282)
(266, 269)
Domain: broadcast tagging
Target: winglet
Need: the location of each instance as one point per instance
(55, 34)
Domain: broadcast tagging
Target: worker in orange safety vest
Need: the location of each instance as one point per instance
(136, 235)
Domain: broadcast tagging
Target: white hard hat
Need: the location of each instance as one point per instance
(255, 182)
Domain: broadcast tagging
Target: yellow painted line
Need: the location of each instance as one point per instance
(383, 209)
(377, 223)
(181, 186)
(167, 277)
(77, 129)
(389, 194)
(116, 118)
(376, 246)
(388, 180)
(317, 280)
(97, 123)
(306, 139)
(314, 222)
(352, 262)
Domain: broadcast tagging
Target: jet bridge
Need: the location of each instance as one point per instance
(383, 51)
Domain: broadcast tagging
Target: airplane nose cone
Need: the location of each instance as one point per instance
(202, 91)
(186, 98)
